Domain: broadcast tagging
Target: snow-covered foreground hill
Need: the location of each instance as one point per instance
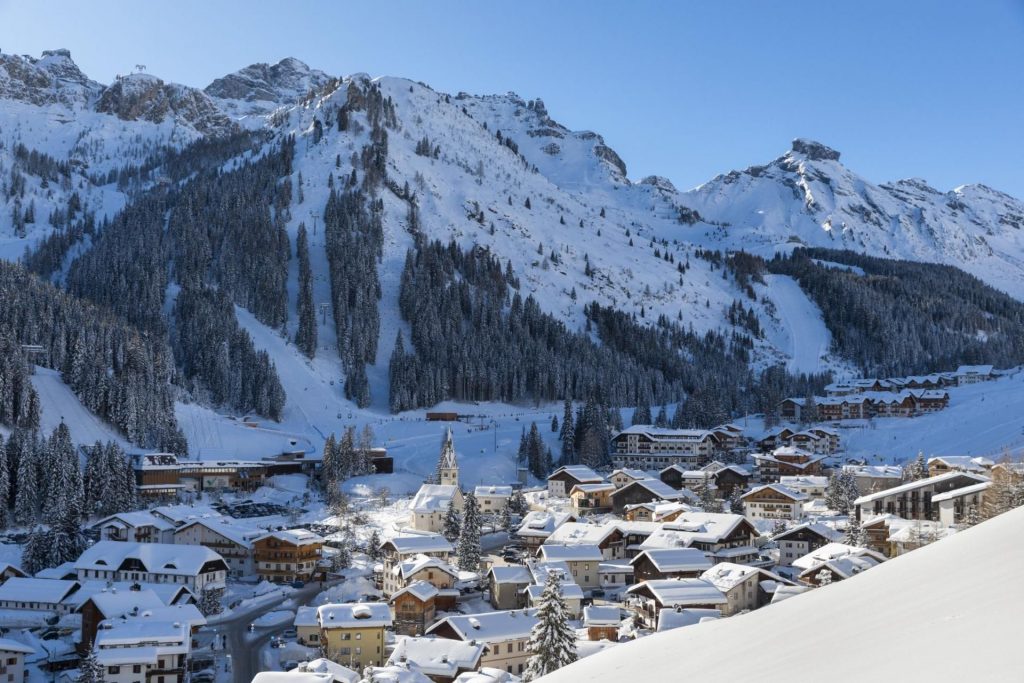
(953, 594)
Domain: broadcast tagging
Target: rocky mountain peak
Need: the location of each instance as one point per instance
(814, 151)
(53, 78)
(277, 84)
(146, 97)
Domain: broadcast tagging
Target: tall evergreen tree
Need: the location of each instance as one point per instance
(567, 435)
(5, 487)
(306, 332)
(26, 501)
(469, 536)
(552, 642)
(452, 527)
(90, 670)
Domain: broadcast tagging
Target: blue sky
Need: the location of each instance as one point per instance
(685, 90)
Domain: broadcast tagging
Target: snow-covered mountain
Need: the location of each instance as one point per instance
(501, 173)
(258, 89)
(807, 196)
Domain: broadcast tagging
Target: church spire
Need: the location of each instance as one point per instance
(447, 466)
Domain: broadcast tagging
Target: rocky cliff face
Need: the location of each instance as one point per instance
(145, 97)
(259, 88)
(51, 79)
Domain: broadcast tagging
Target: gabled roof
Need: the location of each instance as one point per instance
(571, 553)
(726, 575)
(656, 487)
(418, 563)
(669, 434)
(489, 627)
(631, 472)
(795, 496)
(964, 462)
(419, 543)
(592, 488)
(139, 518)
(680, 592)
(297, 537)
(162, 558)
(28, 589)
(825, 532)
(570, 591)
(116, 603)
(440, 657)
(305, 615)
(8, 645)
(965, 491)
(833, 551)
(675, 559)
(603, 615)
(514, 574)
(504, 491)
(542, 523)
(910, 486)
(581, 473)
(433, 497)
(240, 535)
(421, 590)
(354, 615)
(671, 618)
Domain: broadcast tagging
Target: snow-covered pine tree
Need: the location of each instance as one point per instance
(90, 670)
(452, 525)
(554, 423)
(5, 486)
(854, 535)
(469, 536)
(824, 577)
(210, 601)
(662, 418)
(552, 642)
(971, 517)
(567, 435)
(506, 517)
(708, 501)
(917, 469)
(517, 503)
(26, 500)
(642, 414)
(36, 556)
(306, 332)
(373, 546)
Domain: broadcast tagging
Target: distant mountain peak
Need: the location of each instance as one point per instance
(814, 151)
(261, 87)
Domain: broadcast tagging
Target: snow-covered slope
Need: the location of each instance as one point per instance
(59, 404)
(946, 612)
(807, 196)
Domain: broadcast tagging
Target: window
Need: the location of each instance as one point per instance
(136, 668)
(113, 669)
(359, 636)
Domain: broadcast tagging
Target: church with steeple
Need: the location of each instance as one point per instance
(447, 465)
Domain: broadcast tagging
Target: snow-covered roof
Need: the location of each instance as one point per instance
(672, 618)
(541, 524)
(681, 592)
(161, 558)
(631, 472)
(830, 552)
(418, 563)
(321, 666)
(847, 566)
(132, 635)
(293, 676)
(805, 480)
(656, 487)
(580, 473)
(875, 471)
(573, 533)
(818, 528)
(691, 527)
(419, 543)
(490, 627)
(354, 615)
(786, 592)
(30, 589)
(137, 519)
(239, 534)
(601, 615)
(442, 657)
(910, 486)
(499, 491)
(8, 645)
(779, 489)
(726, 575)
(298, 537)
(974, 370)
(592, 488)
(675, 559)
(421, 590)
(433, 497)
(571, 553)
(305, 615)
(167, 592)
(115, 603)
(570, 591)
(965, 491)
(668, 433)
(964, 462)
(61, 571)
(516, 574)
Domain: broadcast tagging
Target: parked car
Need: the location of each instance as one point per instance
(298, 584)
(290, 634)
(289, 665)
